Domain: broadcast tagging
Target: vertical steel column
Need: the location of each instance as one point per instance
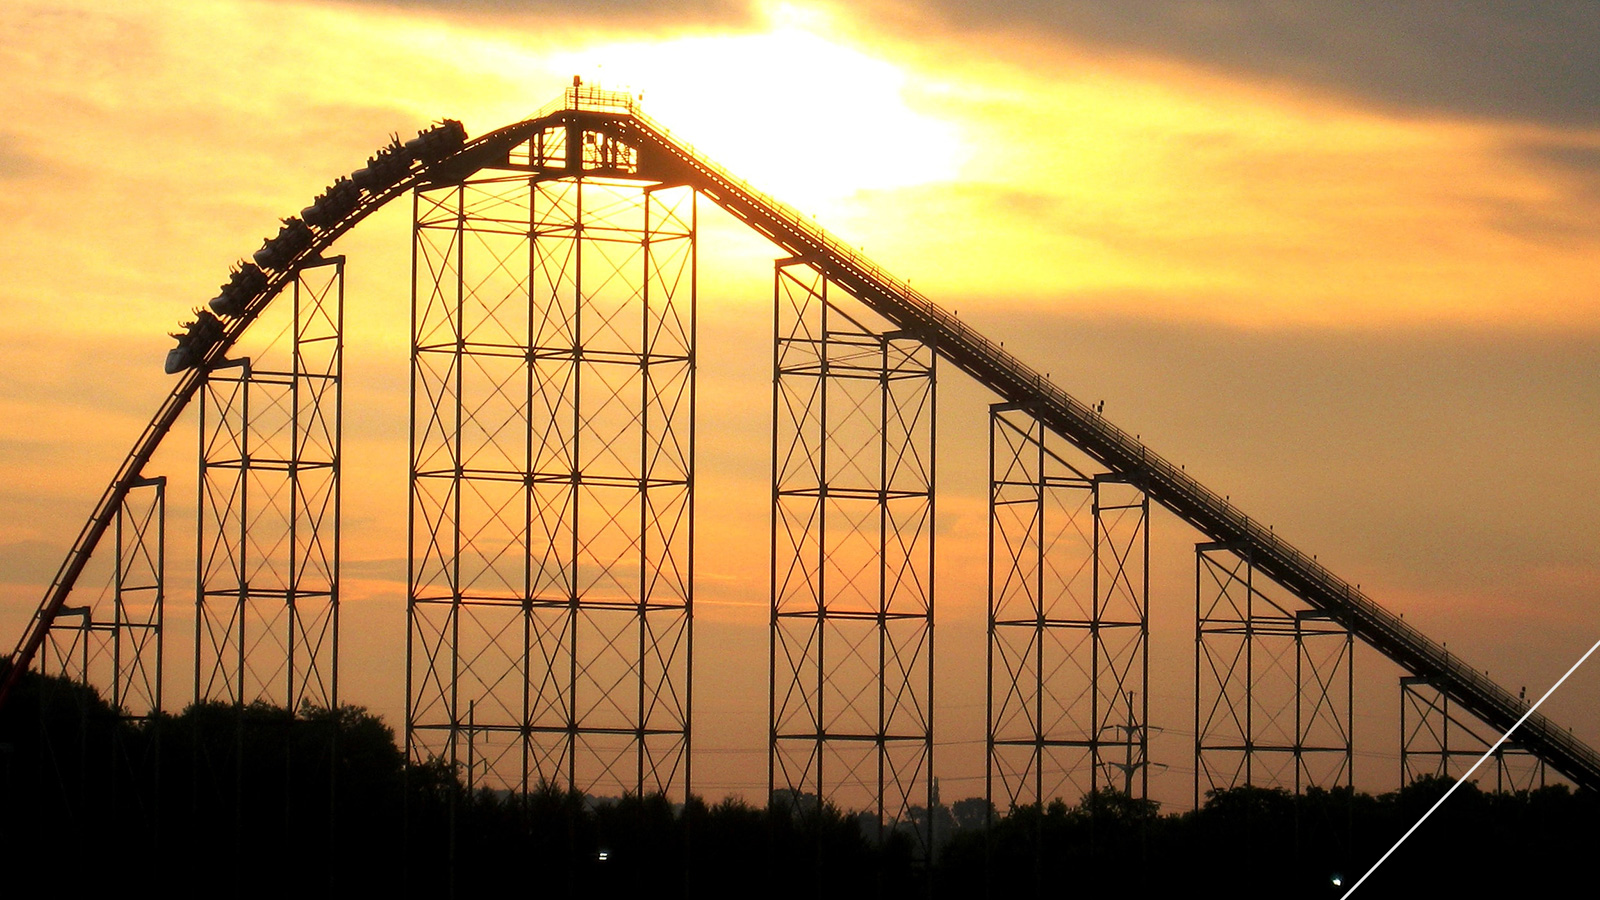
(1273, 683)
(551, 561)
(851, 656)
(1121, 627)
(1068, 623)
(141, 598)
(267, 596)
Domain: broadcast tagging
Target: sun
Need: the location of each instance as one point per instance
(801, 115)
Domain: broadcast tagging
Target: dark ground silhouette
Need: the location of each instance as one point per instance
(256, 801)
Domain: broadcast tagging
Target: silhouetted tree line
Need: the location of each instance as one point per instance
(1252, 842)
(257, 801)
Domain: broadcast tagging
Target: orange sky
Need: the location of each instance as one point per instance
(1366, 309)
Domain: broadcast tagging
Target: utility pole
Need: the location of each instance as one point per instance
(1129, 765)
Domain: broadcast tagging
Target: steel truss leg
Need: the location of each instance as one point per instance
(1441, 742)
(267, 560)
(552, 484)
(1274, 685)
(121, 648)
(1068, 651)
(851, 668)
(114, 644)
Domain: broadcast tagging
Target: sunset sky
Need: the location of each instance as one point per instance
(1341, 260)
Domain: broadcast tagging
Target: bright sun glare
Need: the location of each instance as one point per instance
(804, 117)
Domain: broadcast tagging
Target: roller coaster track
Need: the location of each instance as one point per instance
(663, 157)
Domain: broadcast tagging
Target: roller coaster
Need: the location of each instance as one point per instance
(593, 135)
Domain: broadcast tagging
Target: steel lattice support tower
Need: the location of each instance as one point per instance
(122, 650)
(552, 474)
(1274, 683)
(267, 617)
(1436, 740)
(114, 644)
(1068, 654)
(851, 669)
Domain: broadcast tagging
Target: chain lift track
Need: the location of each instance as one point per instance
(664, 158)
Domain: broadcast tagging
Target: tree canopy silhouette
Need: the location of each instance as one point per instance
(257, 800)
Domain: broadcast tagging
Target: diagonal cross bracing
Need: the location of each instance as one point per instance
(551, 558)
(267, 592)
(1068, 623)
(851, 632)
(1274, 684)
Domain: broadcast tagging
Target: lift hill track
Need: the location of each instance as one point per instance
(606, 135)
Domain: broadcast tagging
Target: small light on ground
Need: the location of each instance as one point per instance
(604, 855)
